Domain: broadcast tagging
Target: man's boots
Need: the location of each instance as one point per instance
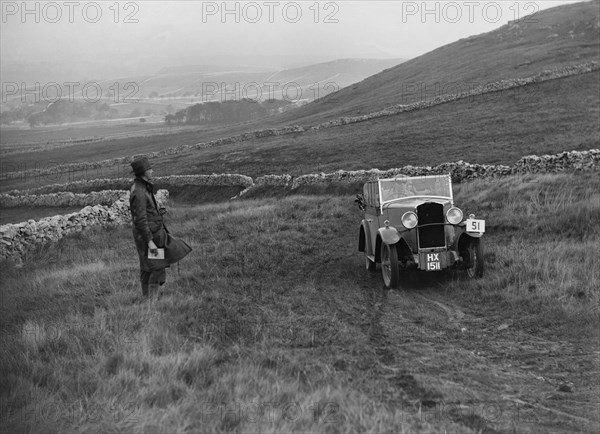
(153, 288)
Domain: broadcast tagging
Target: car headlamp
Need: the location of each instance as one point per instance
(409, 220)
(454, 216)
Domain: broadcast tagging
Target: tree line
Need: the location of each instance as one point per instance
(58, 112)
(226, 112)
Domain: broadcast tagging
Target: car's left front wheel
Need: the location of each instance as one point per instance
(474, 253)
(390, 269)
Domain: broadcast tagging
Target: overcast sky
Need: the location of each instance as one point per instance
(98, 40)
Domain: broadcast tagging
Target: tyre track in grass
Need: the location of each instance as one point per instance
(391, 372)
(517, 379)
(449, 363)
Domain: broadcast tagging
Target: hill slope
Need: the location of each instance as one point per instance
(551, 38)
(548, 117)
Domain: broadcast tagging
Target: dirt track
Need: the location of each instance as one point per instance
(448, 363)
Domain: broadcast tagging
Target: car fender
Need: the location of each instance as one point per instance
(468, 234)
(364, 238)
(464, 238)
(389, 235)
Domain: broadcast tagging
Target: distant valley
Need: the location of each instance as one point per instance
(154, 96)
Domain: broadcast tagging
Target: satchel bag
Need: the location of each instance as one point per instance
(175, 249)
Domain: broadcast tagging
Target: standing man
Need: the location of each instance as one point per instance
(147, 225)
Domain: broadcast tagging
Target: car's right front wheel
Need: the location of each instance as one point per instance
(390, 269)
(474, 256)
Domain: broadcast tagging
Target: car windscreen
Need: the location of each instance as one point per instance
(428, 186)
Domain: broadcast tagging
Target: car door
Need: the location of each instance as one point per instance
(371, 192)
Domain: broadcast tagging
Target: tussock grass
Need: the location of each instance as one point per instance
(541, 247)
(259, 329)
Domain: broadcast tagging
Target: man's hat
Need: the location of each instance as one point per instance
(140, 165)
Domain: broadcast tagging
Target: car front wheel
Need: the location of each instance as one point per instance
(475, 258)
(389, 266)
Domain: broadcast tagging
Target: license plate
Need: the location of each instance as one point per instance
(432, 262)
(475, 226)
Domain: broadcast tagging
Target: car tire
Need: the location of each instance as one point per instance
(369, 265)
(390, 269)
(475, 255)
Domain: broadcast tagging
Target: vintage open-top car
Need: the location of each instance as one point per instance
(412, 223)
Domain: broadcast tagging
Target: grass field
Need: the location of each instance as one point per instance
(20, 214)
(13, 138)
(273, 325)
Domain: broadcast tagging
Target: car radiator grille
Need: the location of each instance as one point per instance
(431, 235)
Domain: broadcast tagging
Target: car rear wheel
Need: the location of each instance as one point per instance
(369, 265)
(475, 258)
(390, 269)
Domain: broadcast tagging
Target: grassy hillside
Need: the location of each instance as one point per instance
(551, 38)
(499, 128)
(549, 117)
(273, 325)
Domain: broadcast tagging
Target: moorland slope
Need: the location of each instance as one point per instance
(549, 39)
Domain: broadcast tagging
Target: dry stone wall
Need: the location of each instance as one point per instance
(223, 179)
(17, 238)
(61, 199)
(498, 86)
(460, 171)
